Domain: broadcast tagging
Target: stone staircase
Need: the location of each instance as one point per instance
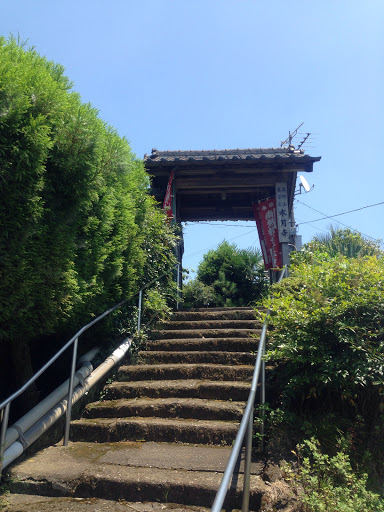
(163, 435)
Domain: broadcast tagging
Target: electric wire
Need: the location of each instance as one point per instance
(337, 215)
(298, 224)
(215, 245)
(314, 227)
(322, 213)
(343, 213)
(221, 225)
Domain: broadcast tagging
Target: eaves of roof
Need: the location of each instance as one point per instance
(269, 154)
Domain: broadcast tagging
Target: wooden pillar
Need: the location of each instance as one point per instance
(180, 246)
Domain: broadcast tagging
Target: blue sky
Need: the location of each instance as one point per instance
(222, 74)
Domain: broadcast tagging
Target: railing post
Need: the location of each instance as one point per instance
(4, 427)
(139, 314)
(247, 463)
(70, 393)
(178, 285)
(262, 402)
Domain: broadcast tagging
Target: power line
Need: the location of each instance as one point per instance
(299, 224)
(215, 245)
(315, 227)
(222, 224)
(321, 213)
(338, 214)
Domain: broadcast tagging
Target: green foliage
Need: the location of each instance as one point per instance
(328, 330)
(345, 242)
(328, 483)
(79, 230)
(326, 342)
(197, 295)
(236, 276)
(4, 492)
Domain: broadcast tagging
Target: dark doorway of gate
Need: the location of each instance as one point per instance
(222, 185)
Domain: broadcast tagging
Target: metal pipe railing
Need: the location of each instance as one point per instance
(246, 427)
(5, 405)
(4, 426)
(149, 284)
(70, 393)
(39, 419)
(57, 355)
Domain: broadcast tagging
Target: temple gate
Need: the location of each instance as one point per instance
(222, 185)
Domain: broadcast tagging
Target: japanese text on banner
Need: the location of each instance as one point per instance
(266, 221)
(282, 212)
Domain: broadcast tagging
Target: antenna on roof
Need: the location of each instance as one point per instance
(291, 136)
(304, 139)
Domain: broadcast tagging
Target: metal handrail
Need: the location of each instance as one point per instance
(245, 431)
(178, 266)
(6, 404)
(58, 354)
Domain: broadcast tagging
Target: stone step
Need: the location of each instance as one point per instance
(175, 325)
(191, 388)
(189, 344)
(184, 371)
(31, 503)
(231, 314)
(131, 472)
(204, 333)
(194, 357)
(186, 408)
(107, 430)
(225, 309)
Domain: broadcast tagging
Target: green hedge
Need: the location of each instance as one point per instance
(328, 331)
(79, 231)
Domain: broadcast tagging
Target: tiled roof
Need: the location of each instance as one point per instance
(227, 154)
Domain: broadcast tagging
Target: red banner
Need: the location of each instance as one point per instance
(167, 205)
(266, 222)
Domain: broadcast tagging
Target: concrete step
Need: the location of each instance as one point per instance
(162, 440)
(224, 309)
(31, 503)
(191, 388)
(204, 333)
(107, 430)
(189, 344)
(184, 371)
(209, 324)
(186, 408)
(223, 314)
(131, 472)
(194, 357)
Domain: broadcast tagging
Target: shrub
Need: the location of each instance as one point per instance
(328, 331)
(326, 483)
(197, 295)
(79, 230)
(345, 242)
(235, 277)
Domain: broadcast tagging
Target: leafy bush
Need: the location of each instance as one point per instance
(326, 483)
(328, 331)
(79, 229)
(198, 295)
(326, 344)
(235, 277)
(345, 242)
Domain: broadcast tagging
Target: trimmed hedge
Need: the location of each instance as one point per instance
(79, 231)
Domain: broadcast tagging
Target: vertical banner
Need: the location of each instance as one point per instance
(266, 257)
(167, 205)
(282, 212)
(266, 222)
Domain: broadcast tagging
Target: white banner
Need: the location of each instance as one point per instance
(282, 212)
